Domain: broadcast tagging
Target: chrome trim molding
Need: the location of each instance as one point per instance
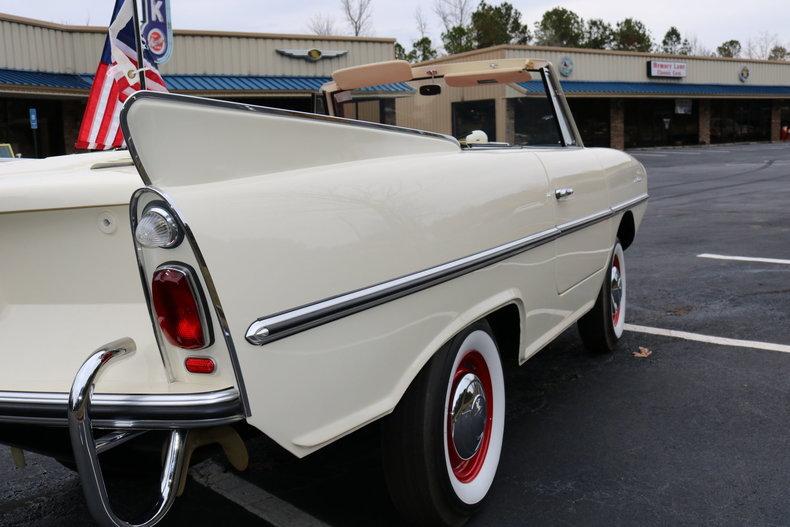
(138, 252)
(207, 280)
(285, 323)
(202, 101)
(127, 411)
(135, 400)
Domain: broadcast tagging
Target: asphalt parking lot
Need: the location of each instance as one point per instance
(694, 433)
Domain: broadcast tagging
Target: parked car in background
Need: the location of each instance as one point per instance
(306, 275)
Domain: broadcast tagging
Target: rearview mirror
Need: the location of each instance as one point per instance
(430, 89)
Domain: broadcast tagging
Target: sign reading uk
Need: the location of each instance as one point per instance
(157, 30)
(663, 68)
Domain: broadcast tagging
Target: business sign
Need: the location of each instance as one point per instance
(744, 74)
(566, 67)
(33, 119)
(312, 54)
(663, 68)
(157, 31)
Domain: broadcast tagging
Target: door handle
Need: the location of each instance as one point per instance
(562, 193)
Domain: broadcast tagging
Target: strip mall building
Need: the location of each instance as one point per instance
(619, 99)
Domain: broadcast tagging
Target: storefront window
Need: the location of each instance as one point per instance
(15, 126)
(469, 116)
(733, 121)
(661, 122)
(592, 120)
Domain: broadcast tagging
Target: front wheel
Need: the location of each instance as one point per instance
(603, 326)
(442, 443)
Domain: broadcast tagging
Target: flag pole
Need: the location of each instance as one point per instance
(138, 39)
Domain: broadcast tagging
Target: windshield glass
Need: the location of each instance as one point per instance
(489, 115)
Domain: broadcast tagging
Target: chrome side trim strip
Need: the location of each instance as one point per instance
(630, 203)
(211, 288)
(285, 323)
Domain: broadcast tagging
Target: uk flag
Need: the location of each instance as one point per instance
(117, 77)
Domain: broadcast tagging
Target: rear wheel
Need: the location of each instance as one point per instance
(603, 326)
(442, 443)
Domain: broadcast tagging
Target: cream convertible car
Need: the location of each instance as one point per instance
(301, 276)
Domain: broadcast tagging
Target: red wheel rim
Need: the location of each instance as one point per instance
(466, 470)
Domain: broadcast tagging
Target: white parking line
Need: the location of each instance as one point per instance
(754, 344)
(744, 258)
(269, 508)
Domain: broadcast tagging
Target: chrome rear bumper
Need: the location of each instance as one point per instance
(151, 412)
(124, 417)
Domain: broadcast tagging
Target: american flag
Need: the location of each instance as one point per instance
(116, 79)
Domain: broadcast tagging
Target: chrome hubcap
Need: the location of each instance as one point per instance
(616, 291)
(469, 415)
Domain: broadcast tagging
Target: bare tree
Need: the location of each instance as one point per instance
(698, 48)
(453, 13)
(321, 24)
(760, 47)
(357, 13)
(421, 23)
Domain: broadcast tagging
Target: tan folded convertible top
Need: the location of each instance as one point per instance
(455, 74)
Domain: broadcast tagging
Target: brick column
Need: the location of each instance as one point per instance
(72, 117)
(704, 122)
(617, 124)
(776, 120)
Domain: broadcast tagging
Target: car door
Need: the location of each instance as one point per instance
(580, 194)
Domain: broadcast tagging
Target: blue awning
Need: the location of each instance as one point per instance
(275, 84)
(191, 83)
(43, 80)
(608, 89)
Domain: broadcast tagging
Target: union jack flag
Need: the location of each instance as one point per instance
(117, 77)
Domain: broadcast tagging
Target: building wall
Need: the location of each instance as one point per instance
(592, 65)
(621, 66)
(39, 46)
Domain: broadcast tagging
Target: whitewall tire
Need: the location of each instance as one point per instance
(441, 446)
(602, 327)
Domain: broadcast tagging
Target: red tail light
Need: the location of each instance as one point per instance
(178, 307)
(199, 365)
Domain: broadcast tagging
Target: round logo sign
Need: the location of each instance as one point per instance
(744, 74)
(156, 41)
(314, 54)
(566, 66)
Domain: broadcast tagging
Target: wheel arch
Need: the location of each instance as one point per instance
(504, 313)
(626, 231)
(502, 308)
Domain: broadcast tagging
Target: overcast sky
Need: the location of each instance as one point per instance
(712, 21)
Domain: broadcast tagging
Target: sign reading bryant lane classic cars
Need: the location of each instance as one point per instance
(663, 68)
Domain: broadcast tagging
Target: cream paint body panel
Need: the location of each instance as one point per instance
(282, 239)
(67, 182)
(278, 241)
(66, 288)
(625, 176)
(249, 143)
(581, 253)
